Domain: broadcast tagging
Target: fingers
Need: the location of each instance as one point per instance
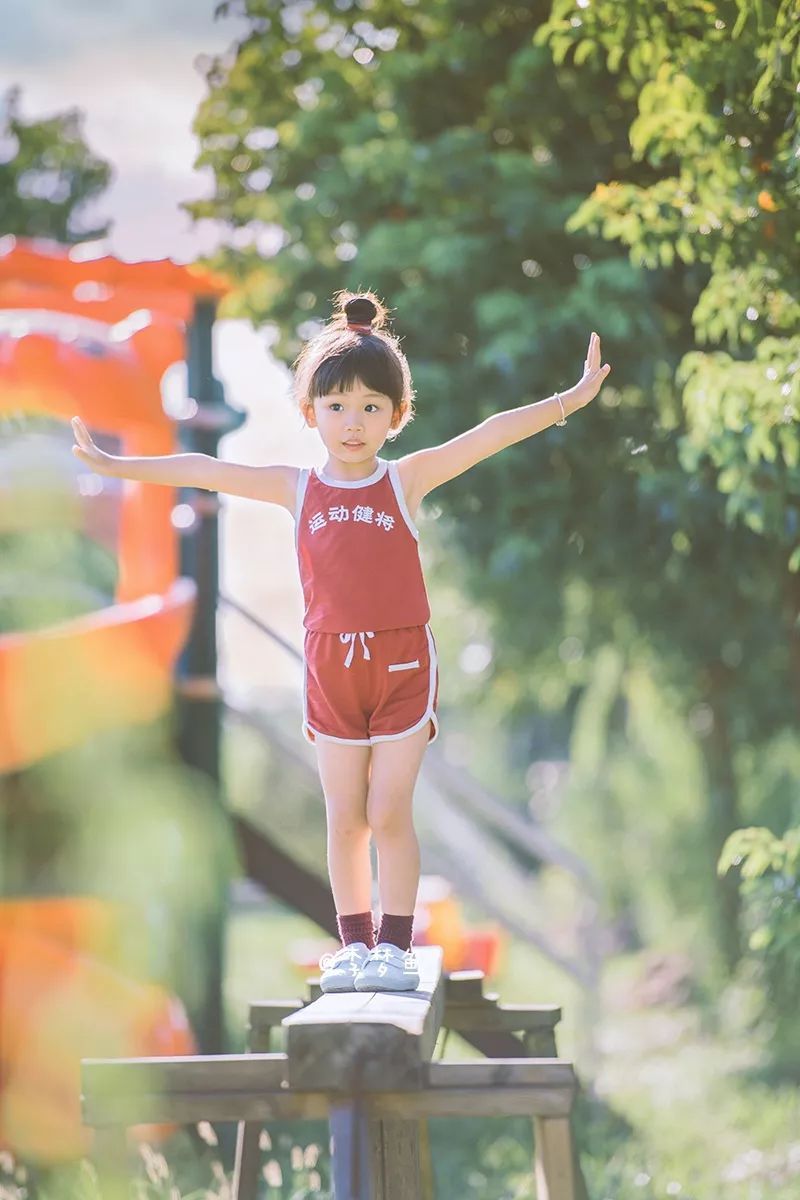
(81, 433)
(593, 353)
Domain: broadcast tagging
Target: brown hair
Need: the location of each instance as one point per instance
(339, 355)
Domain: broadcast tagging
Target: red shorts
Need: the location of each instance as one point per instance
(363, 688)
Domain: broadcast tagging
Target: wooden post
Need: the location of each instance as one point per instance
(555, 1179)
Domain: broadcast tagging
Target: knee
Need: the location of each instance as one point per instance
(389, 815)
(347, 825)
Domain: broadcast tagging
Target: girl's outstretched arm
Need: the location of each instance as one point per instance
(275, 484)
(427, 469)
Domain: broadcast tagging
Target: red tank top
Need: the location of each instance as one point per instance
(358, 553)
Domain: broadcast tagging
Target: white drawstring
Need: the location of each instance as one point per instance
(351, 638)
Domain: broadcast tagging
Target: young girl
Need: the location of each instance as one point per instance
(371, 681)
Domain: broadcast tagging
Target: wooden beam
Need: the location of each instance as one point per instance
(368, 1040)
(251, 1087)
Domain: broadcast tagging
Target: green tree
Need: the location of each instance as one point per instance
(437, 153)
(48, 175)
(718, 126)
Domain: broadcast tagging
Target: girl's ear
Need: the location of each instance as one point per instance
(397, 415)
(309, 415)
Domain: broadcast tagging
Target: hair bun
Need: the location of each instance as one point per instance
(360, 310)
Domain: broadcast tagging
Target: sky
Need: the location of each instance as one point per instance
(129, 65)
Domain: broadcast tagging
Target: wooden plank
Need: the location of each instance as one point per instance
(105, 1080)
(510, 1018)
(188, 1095)
(474, 1102)
(553, 1161)
(502, 1072)
(463, 987)
(189, 1108)
(265, 1019)
(235, 1075)
(367, 1040)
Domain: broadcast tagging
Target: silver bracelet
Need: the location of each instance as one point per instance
(563, 420)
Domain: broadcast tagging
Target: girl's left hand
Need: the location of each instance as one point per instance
(593, 374)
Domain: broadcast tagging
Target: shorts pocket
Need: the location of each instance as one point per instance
(406, 666)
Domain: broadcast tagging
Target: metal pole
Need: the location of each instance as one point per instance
(199, 706)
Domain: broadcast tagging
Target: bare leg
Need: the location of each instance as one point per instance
(395, 767)
(344, 773)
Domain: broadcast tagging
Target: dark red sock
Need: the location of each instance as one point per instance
(357, 927)
(396, 929)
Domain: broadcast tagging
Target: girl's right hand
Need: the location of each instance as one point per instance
(86, 450)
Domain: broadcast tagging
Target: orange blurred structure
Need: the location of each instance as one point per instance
(63, 997)
(87, 336)
(57, 360)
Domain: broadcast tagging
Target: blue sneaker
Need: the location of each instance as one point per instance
(340, 969)
(388, 969)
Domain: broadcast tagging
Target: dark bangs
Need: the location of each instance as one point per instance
(370, 360)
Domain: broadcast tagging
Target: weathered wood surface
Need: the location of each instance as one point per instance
(397, 1154)
(368, 1040)
(252, 1087)
(554, 1166)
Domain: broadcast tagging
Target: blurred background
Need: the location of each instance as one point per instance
(610, 820)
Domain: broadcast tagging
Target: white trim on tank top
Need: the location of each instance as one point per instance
(397, 487)
(302, 484)
(377, 474)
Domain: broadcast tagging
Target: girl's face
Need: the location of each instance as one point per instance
(353, 425)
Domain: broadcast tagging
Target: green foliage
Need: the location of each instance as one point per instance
(717, 125)
(49, 176)
(770, 874)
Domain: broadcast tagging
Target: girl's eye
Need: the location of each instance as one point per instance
(335, 406)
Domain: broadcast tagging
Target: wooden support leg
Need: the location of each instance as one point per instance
(248, 1159)
(540, 1043)
(395, 1160)
(555, 1177)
